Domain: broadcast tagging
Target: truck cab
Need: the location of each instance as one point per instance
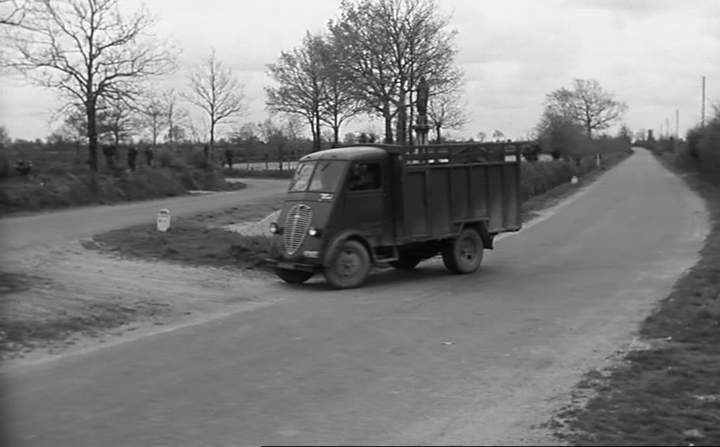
(349, 208)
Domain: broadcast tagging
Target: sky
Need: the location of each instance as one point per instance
(650, 54)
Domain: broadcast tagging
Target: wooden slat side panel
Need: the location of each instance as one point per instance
(496, 197)
(415, 220)
(459, 193)
(439, 200)
(511, 194)
(478, 192)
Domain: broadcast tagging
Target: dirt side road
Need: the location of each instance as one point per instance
(43, 230)
(413, 358)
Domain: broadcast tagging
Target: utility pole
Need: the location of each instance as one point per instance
(702, 110)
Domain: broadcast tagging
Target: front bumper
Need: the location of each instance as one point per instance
(294, 264)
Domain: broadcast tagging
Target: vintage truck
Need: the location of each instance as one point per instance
(348, 209)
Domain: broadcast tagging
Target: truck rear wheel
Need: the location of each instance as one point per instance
(465, 253)
(349, 266)
(293, 276)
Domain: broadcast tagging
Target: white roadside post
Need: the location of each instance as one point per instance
(163, 220)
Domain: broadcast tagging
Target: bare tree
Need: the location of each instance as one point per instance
(120, 119)
(175, 118)
(153, 113)
(339, 104)
(274, 135)
(384, 47)
(498, 135)
(301, 78)
(215, 90)
(481, 136)
(586, 104)
(446, 112)
(12, 12)
(89, 51)
(362, 49)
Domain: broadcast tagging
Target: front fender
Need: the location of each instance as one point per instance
(339, 239)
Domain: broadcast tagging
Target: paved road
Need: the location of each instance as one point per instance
(47, 228)
(414, 357)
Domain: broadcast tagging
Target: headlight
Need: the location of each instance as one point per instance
(274, 228)
(312, 231)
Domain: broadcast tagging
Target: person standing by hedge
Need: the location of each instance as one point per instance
(229, 157)
(148, 155)
(132, 155)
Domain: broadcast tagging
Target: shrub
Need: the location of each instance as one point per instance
(703, 147)
(259, 173)
(196, 158)
(166, 158)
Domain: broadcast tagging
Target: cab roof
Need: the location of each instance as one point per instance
(349, 153)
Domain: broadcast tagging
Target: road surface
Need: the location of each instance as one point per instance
(419, 357)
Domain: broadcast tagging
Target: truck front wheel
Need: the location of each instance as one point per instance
(349, 266)
(465, 253)
(293, 276)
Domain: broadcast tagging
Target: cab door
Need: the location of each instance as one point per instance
(367, 200)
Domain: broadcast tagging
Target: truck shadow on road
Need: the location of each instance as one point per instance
(390, 278)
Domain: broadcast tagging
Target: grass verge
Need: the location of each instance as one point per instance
(668, 393)
(197, 240)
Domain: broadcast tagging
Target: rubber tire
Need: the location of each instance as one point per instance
(406, 262)
(465, 253)
(293, 276)
(349, 266)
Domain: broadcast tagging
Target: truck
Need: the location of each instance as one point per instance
(353, 208)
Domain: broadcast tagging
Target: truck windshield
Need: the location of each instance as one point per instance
(318, 176)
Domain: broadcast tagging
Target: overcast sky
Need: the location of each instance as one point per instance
(649, 53)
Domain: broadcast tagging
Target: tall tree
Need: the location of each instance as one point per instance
(586, 104)
(301, 78)
(216, 91)
(362, 50)
(338, 104)
(384, 47)
(89, 51)
(446, 112)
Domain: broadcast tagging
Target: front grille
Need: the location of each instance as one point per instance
(297, 223)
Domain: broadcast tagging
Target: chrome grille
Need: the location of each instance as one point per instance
(297, 223)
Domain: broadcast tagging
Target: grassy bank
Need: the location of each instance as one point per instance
(669, 393)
